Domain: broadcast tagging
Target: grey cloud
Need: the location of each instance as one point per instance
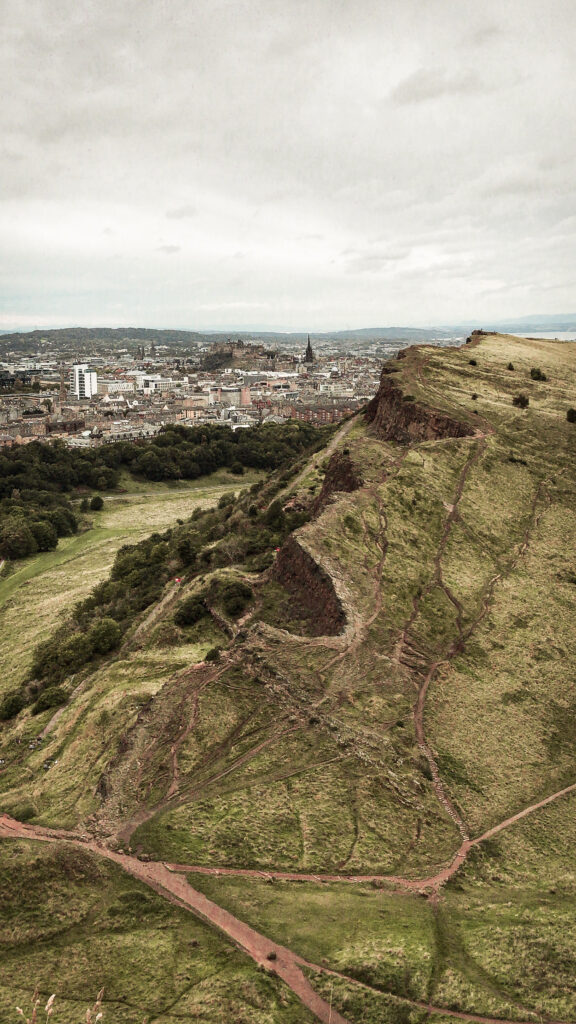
(431, 83)
(370, 160)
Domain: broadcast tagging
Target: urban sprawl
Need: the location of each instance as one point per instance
(131, 395)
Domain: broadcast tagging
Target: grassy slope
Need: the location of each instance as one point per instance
(302, 754)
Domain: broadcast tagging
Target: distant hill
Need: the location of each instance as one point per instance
(536, 322)
(88, 339)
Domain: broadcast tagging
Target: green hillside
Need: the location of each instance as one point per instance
(350, 729)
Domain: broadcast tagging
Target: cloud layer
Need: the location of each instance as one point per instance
(253, 163)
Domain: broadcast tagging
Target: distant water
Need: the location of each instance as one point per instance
(553, 335)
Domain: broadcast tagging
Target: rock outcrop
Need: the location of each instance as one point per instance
(311, 588)
(341, 475)
(398, 417)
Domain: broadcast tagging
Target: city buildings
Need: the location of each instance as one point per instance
(83, 381)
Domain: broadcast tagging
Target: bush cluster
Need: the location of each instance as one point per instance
(31, 523)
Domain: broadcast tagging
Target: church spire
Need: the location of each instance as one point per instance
(309, 356)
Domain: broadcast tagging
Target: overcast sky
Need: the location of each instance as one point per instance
(286, 164)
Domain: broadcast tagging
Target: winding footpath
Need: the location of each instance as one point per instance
(168, 881)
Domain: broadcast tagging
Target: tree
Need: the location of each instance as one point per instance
(521, 401)
(44, 534)
(84, 505)
(96, 503)
(537, 374)
(16, 539)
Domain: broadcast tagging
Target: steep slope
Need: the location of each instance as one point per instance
(391, 714)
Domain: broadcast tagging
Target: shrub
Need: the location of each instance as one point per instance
(105, 635)
(521, 401)
(474, 396)
(473, 362)
(84, 505)
(213, 654)
(53, 697)
(225, 500)
(510, 366)
(235, 597)
(537, 374)
(186, 550)
(96, 503)
(237, 468)
(12, 705)
(571, 415)
(190, 611)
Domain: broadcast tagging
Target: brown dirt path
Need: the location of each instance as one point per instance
(169, 883)
(175, 888)
(314, 462)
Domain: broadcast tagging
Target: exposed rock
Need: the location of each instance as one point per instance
(341, 475)
(398, 417)
(311, 587)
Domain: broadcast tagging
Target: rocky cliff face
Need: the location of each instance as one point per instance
(397, 417)
(311, 588)
(341, 475)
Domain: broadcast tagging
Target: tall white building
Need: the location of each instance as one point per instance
(83, 381)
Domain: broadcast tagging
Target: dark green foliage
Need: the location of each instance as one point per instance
(235, 598)
(12, 705)
(510, 366)
(473, 362)
(96, 503)
(33, 478)
(44, 534)
(537, 374)
(16, 539)
(571, 415)
(521, 401)
(190, 611)
(53, 697)
(474, 396)
(63, 654)
(105, 635)
(226, 500)
(213, 654)
(186, 550)
(275, 515)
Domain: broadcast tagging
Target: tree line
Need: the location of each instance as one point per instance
(37, 479)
